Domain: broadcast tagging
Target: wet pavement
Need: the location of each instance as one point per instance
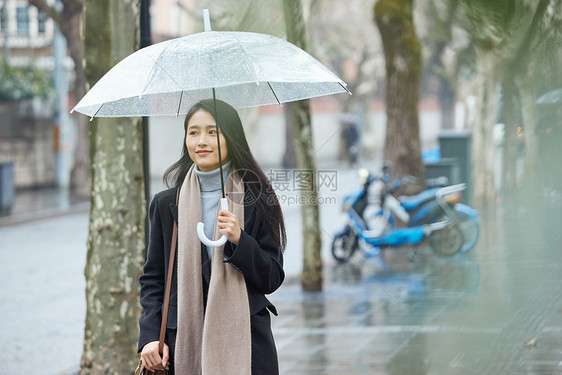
(494, 310)
(41, 203)
(42, 294)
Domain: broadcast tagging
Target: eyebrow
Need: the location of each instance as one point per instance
(197, 126)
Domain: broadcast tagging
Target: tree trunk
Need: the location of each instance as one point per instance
(486, 116)
(524, 66)
(530, 118)
(80, 179)
(510, 143)
(311, 278)
(402, 52)
(289, 157)
(71, 28)
(116, 228)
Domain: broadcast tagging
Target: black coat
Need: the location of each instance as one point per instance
(256, 256)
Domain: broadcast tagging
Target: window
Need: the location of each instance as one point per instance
(41, 22)
(22, 20)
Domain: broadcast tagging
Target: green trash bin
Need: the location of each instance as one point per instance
(6, 185)
(443, 167)
(454, 144)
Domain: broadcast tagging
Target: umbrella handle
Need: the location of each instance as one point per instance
(201, 229)
(206, 20)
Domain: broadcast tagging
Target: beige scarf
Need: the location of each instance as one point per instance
(218, 341)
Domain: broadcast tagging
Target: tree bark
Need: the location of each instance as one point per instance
(441, 37)
(518, 62)
(117, 213)
(510, 145)
(486, 115)
(523, 66)
(311, 277)
(402, 52)
(532, 162)
(289, 157)
(71, 29)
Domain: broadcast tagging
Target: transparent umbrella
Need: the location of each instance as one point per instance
(241, 68)
(245, 69)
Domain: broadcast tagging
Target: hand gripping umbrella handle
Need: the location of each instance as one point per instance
(201, 229)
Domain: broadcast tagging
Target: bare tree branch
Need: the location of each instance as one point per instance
(523, 54)
(47, 9)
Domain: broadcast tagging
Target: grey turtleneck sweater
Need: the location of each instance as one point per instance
(210, 183)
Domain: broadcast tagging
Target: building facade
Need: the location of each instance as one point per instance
(26, 126)
(26, 34)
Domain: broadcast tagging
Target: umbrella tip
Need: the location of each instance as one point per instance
(206, 20)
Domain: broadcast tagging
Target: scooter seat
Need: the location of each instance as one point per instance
(436, 182)
(410, 202)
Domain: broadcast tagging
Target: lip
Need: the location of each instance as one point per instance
(203, 152)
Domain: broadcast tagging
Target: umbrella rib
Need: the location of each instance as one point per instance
(274, 94)
(251, 63)
(345, 88)
(164, 70)
(92, 119)
(179, 105)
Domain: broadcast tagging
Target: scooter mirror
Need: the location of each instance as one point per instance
(362, 175)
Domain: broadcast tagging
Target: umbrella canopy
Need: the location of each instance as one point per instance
(245, 69)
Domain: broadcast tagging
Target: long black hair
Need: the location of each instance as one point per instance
(261, 192)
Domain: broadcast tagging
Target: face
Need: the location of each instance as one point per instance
(201, 141)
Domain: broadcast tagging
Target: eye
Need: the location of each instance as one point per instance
(213, 131)
(192, 132)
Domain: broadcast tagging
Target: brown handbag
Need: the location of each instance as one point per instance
(141, 370)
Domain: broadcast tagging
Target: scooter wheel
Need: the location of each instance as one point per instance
(447, 241)
(343, 246)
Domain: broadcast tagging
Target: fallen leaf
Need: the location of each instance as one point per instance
(531, 342)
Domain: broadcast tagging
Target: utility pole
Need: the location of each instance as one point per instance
(145, 40)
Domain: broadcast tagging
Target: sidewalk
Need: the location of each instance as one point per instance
(41, 203)
(496, 310)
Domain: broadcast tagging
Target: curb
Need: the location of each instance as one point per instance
(26, 217)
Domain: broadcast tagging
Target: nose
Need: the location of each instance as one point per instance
(203, 139)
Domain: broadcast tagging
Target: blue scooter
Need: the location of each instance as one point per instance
(434, 214)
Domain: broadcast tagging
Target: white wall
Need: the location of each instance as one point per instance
(165, 137)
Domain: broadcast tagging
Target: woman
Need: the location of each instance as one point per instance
(218, 320)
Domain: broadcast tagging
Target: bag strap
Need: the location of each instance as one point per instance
(169, 281)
